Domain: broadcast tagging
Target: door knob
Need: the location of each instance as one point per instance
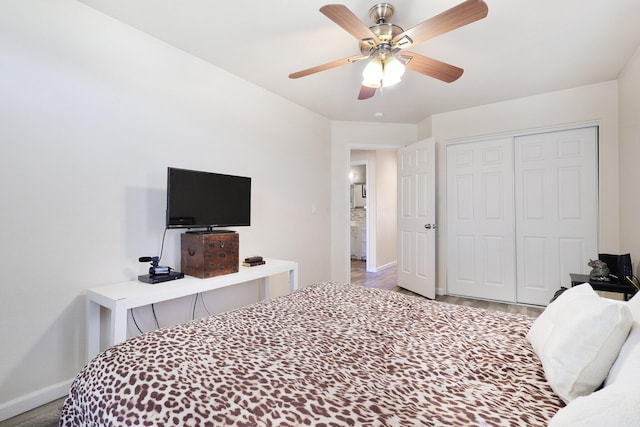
(430, 226)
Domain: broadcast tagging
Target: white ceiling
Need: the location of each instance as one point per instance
(522, 48)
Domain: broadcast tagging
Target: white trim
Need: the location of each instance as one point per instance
(525, 132)
(384, 267)
(34, 399)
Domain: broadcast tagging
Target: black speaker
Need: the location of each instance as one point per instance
(619, 265)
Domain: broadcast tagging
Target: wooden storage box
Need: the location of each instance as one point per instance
(209, 254)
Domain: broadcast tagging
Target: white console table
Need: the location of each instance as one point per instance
(121, 297)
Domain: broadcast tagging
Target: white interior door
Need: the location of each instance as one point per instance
(416, 218)
(556, 186)
(480, 224)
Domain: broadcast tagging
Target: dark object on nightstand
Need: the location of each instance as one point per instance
(619, 265)
(600, 270)
(613, 285)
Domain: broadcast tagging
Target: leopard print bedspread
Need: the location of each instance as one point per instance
(326, 355)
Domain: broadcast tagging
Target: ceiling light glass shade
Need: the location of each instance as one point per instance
(393, 70)
(373, 73)
(382, 74)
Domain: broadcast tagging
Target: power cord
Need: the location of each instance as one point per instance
(134, 321)
(162, 244)
(204, 305)
(195, 302)
(153, 310)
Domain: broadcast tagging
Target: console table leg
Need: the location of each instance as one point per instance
(118, 322)
(93, 329)
(293, 279)
(265, 288)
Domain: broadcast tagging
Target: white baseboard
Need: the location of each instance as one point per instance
(34, 399)
(384, 267)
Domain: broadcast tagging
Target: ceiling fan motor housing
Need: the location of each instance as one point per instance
(385, 31)
(381, 13)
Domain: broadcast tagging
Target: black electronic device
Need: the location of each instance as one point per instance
(159, 278)
(619, 265)
(155, 269)
(207, 200)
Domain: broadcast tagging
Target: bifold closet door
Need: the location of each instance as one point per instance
(556, 187)
(480, 223)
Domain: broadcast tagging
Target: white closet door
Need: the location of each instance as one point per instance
(556, 187)
(480, 224)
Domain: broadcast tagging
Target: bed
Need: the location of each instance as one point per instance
(327, 354)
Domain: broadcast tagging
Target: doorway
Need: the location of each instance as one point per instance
(358, 218)
(373, 209)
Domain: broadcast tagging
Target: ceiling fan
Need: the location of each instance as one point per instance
(385, 43)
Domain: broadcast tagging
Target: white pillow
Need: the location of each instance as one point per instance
(578, 341)
(634, 307)
(626, 368)
(541, 329)
(614, 406)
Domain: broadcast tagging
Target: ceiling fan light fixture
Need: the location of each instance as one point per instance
(393, 70)
(383, 72)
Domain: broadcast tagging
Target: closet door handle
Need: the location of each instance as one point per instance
(430, 226)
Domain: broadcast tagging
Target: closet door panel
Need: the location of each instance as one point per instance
(556, 209)
(535, 250)
(480, 258)
(572, 256)
(493, 247)
(464, 260)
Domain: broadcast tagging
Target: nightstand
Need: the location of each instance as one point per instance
(610, 286)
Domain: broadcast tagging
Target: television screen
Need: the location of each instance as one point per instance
(206, 200)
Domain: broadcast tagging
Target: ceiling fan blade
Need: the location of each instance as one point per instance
(431, 67)
(366, 92)
(342, 16)
(456, 17)
(326, 66)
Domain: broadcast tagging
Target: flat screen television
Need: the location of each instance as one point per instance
(207, 200)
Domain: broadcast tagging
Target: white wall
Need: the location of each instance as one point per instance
(386, 209)
(596, 103)
(629, 94)
(346, 136)
(91, 114)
